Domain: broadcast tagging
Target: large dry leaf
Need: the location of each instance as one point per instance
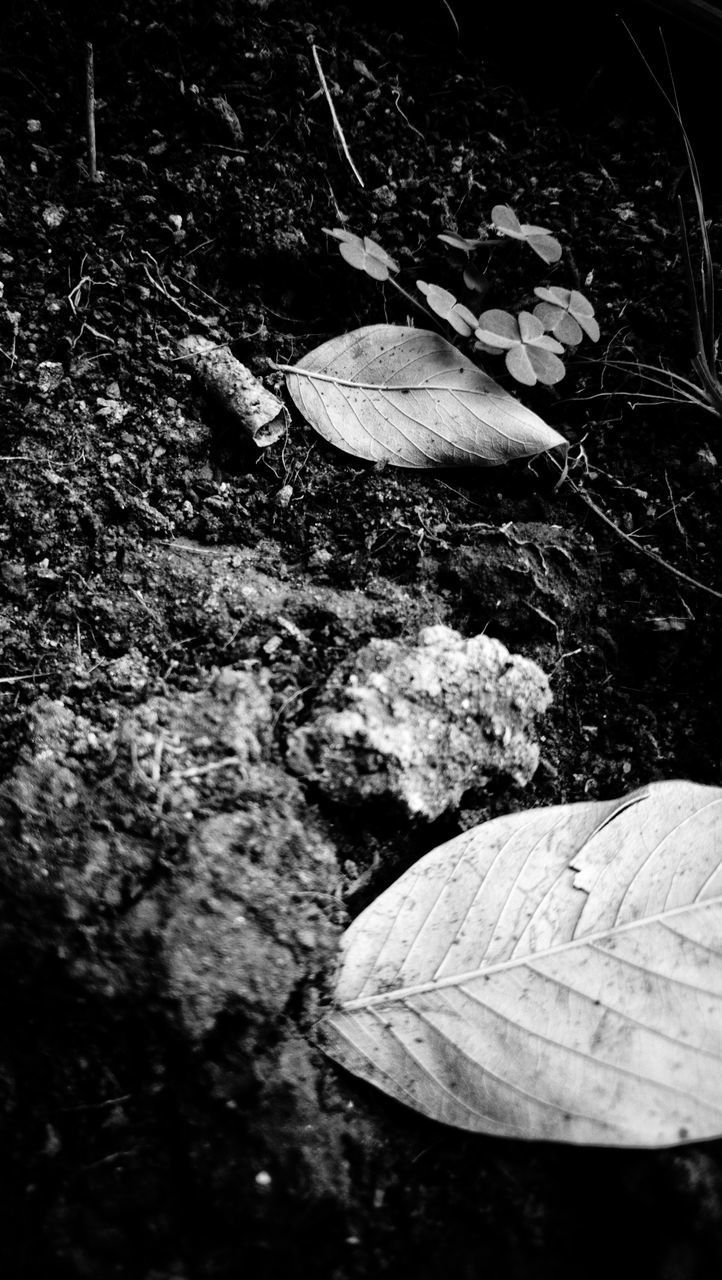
(552, 974)
(406, 396)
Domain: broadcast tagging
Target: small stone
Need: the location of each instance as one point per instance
(385, 196)
(54, 215)
(705, 465)
(227, 118)
(320, 559)
(50, 375)
(283, 497)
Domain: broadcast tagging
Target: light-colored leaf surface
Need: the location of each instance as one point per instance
(559, 322)
(406, 396)
(363, 253)
(460, 242)
(530, 329)
(498, 329)
(531, 355)
(444, 304)
(532, 363)
(574, 314)
(547, 248)
(506, 221)
(540, 239)
(554, 974)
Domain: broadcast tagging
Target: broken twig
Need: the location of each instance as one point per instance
(334, 117)
(260, 414)
(90, 111)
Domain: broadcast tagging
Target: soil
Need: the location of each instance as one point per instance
(175, 601)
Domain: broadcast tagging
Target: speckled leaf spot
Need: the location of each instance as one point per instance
(554, 974)
(406, 396)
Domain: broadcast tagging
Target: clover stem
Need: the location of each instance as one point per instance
(414, 301)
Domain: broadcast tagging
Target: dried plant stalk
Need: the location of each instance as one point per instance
(90, 111)
(260, 414)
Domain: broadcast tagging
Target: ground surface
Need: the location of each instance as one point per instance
(172, 599)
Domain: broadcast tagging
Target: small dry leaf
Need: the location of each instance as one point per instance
(554, 974)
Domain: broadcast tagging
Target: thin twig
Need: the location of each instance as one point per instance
(673, 509)
(90, 111)
(452, 15)
(29, 675)
(198, 771)
(637, 546)
(161, 289)
(151, 612)
(396, 92)
(334, 117)
(414, 301)
(73, 297)
(202, 292)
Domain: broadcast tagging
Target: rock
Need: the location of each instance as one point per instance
(420, 725)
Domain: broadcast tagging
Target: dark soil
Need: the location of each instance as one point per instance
(172, 597)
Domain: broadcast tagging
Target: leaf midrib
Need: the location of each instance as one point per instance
(406, 993)
(337, 381)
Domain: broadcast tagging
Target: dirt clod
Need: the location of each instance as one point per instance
(420, 725)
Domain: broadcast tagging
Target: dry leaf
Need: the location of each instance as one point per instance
(554, 974)
(406, 396)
